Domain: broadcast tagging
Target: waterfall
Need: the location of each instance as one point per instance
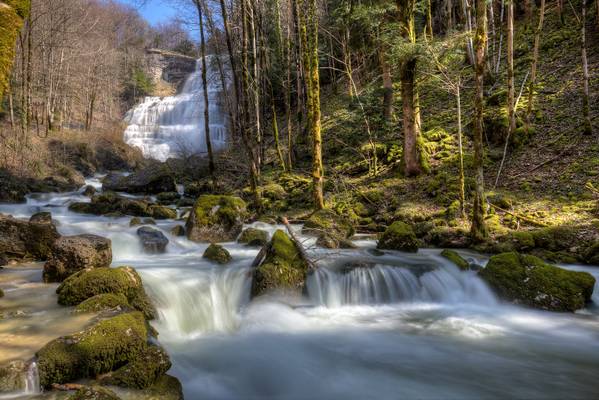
(173, 126)
(32, 379)
(383, 284)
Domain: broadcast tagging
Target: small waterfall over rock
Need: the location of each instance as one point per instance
(32, 379)
(173, 126)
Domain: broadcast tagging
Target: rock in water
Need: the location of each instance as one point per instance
(23, 239)
(399, 236)
(89, 191)
(253, 237)
(74, 253)
(216, 219)
(154, 179)
(525, 279)
(43, 217)
(217, 253)
(153, 240)
(280, 266)
(142, 372)
(456, 259)
(178, 230)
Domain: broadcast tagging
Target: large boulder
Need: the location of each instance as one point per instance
(88, 283)
(216, 219)
(154, 179)
(328, 222)
(24, 239)
(526, 279)
(141, 372)
(74, 253)
(253, 237)
(398, 236)
(102, 348)
(152, 240)
(217, 253)
(280, 266)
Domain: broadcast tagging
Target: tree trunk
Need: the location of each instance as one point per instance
(468, 17)
(387, 87)
(588, 127)
(560, 11)
(510, 70)
(461, 154)
(429, 20)
(527, 11)
(275, 132)
(478, 229)
(535, 60)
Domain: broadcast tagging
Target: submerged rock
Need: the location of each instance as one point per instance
(104, 347)
(279, 266)
(399, 236)
(24, 239)
(154, 179)
(74, 253)
(152, 240)
(525, 279)
(253, 237)
(217, 253)
(119, 281)
(141, 372)
(330, 223)
(216, 219)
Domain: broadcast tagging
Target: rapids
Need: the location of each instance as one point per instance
(370, 326)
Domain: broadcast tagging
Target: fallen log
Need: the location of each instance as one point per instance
(300, 247)
(65, 387)
(521, 217)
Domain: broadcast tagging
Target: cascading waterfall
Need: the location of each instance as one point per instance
(32, 379)
(173, 126)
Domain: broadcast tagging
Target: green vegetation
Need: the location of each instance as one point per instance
(141, 372)
(456, 259)
(399, 236)
(216, 218)
(253, 237)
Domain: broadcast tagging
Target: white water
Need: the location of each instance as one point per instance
(173, 126)
(396, 326)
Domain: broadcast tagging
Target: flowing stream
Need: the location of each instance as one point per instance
(370, 326)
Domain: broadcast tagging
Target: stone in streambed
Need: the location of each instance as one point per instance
(136, 221)
(74, 253)
(216, 219)
(527, 280)
(165, 388)
(178, 230)
(89, 191)
(152, 240)
(42, 217)
(141, 372)
(155, 178)
(253, 237)
(217, 253)
(281, 266)
(399, 236)
(94, 393)
(12, 376)
(334, 242)
(24, 239)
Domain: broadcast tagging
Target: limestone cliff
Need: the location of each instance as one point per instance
(168, 70)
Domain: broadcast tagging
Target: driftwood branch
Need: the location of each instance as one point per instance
(299, 245)
(67, 386)
(521, 217)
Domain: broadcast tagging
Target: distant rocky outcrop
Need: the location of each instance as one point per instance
(168, 70)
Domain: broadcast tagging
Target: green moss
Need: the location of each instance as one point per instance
(591, 255)
(456, 259)
(101, 302)
(526, 279)
(399, 236)
(282, 267)
(166, 388)
(104, 347)
(558, 238)
(162, 212)
(216, 218)
(94, 393)
(328, 221)
(253, 237)
(143, 371)
(217, 253)
(89, 283)
(11, 21)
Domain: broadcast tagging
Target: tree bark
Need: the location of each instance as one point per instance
(461, 153)
(387, 87)
(588, 127)
(510, 70)
(533, 68)
(478, 229)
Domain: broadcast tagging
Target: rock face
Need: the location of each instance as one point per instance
(152, 240)
(216, 219)
(525, 279)
(169, 67)
(399, 236)
(280, 267)
(111, 203)
(153, 179)
(86, 284)
(22, 239)
(74, 253)
(217, 253)
(253, 237)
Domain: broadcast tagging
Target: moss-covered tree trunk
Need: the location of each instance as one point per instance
(478, 229)
(510, 71)
(587, 126)
(12, 15)
(535, 60)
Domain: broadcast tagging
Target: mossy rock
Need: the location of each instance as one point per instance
(136, 221)
(558, 238)
(253, 237)
(591, 255)
(102, 302)
(281, 268)
(217, 253)
(501, 201)
(165, 388)
(162, 212)
(89, 283)
(94, 393)
(216, 219)
(334, 242)
(167, 197)
(104, 347)
(142, 372)
(526, 279)
(398, 236)
(328, 222)
(457, 259)
(273, 191)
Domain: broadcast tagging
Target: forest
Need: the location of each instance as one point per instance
(289, 199)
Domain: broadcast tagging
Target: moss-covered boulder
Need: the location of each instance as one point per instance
(136, 221)
(398, 236)
(119, 281)
(330, 223)
(217, 253)
(141, 372)
(253, 237)
(216, 219)
(279, 266)
(94, 393)
(165, 388)
(102, 302)
(591, 254)
(334, 242)
(74, 253)
(104, 347)
(162, 212)
(455, 258)
(525, 279)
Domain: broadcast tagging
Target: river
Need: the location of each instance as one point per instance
(393, 326)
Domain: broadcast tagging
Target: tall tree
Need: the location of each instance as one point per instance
(510, 70)
(535, 60)
(588, 127)
(479, 229)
